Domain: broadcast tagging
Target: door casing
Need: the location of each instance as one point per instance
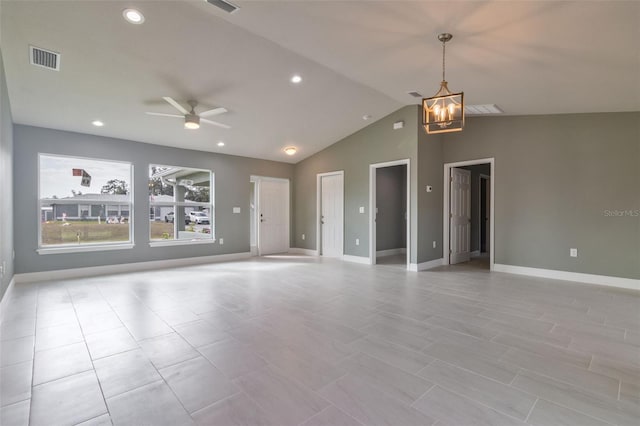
(319, 177)
(372, 207)
(258, 181)
(446, 207)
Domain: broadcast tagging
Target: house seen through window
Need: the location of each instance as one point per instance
(84, 202)
(180, 204)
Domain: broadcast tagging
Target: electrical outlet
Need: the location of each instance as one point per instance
(221, 241)
(573, 252)
(434, 244)
(303, 237)
(357, 241)
(236, 209)
(361, 209)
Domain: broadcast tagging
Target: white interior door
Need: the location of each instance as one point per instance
(460, 216)
(332, 214)
(273, 216)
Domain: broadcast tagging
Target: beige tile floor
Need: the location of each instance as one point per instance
(293, 340)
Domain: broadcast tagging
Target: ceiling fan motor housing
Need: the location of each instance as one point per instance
(191, 121)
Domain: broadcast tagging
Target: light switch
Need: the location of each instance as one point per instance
(361, 209)
(221, 240)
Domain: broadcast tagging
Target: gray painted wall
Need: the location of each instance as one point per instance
(375, 143)
(391, 200)
(6, 184)
(430, 203)
(232, 189)
(559, 181)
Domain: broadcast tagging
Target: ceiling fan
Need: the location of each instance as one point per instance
(191, 119)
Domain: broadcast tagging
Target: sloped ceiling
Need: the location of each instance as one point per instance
(356, 58)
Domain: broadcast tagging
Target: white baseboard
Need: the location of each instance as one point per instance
(356, 259)
(5, 298)
(425, 265)
(570, 276)
(391, 252)
(126, 267)
(306, 252)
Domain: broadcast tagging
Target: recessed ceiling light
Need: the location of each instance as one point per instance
(296, 79)
(133, 16)
(220, 143)
(97, 123)
(366, 117)
(290, 150)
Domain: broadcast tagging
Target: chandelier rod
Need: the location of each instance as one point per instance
(443, 47)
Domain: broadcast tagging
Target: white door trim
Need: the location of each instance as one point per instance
(257, 180)
(319, 177)
(446, 207)
(372, 207)
(480, 212)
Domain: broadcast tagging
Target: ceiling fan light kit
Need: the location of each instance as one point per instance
(191, 119)
(191, 122)
(443, 112)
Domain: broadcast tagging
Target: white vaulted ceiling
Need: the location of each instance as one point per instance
(356, 58)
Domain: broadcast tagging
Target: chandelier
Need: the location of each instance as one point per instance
(443, 112)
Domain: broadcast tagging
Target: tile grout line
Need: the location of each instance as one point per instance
(433, 385)
(217, 402)
(481, 403)
(325, 409)
(84, 340)
(33, 362)
(571, 408)
(532, 408)
(579, 412)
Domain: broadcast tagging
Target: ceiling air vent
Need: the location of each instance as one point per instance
(224, 5)
(482, 109)
(414, 94)
(44, 58)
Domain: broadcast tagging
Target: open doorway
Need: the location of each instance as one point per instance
(389, 213)
(468, 227)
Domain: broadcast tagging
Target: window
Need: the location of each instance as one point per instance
(85, 204)
(180, 205)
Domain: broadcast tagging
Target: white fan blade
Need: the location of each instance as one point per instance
(165, 115)
(215, 123)
(214, 111)
(176, 105)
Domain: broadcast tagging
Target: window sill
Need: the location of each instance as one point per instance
(169, 243)
(85, 248)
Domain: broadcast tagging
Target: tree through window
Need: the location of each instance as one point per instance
(180, 204)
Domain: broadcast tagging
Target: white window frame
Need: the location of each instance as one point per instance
(85, 247)
(182, 204)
